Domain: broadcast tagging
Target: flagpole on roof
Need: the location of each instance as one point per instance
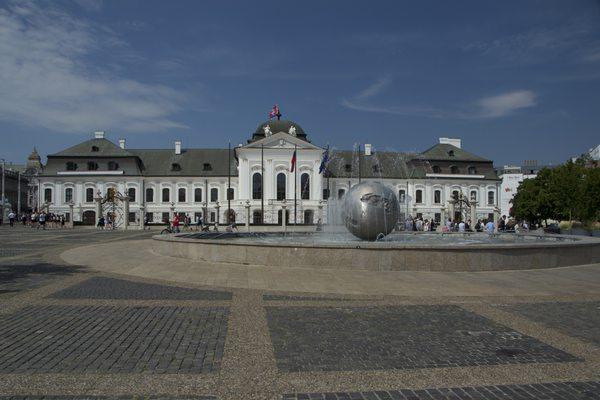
(229, 183)
(296, 185)
(262, 183)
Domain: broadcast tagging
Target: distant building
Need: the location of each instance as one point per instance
(194, 182)
(512, 176)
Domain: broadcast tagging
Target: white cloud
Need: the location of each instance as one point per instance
(48, 80)
(505, 104)
(487, 107)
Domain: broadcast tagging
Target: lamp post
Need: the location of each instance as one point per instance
(218, 206)
(283, 215)
(247, 215)
(71, 205)
(204, 213)
(172, 215)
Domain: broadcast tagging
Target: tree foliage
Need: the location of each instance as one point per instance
(568, 192)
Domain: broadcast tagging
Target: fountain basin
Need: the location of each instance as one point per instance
(450, 252)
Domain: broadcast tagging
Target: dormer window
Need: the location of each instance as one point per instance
(113, 166)
(92, 166)
(175, 167)
(207, 167)
(454, 169)
(451, 153)
(348, 167)
(95, 149)
(71, 166)
(436, 169)
(472, 170)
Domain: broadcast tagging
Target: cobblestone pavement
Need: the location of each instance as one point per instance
(548, 391)
(348, 339)
(72, 332)
(579, 319)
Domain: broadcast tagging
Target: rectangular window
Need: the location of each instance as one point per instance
(48, 195)
(230, 193)
(89, 195)
(402, 196)
(214, 194)
(149, 195)
(419, 196)
(212, 216)
(491, 198)
(181, 195)
(166, 195)
(437, 197)
(437, 217)
(325, 194)
(132, 217)
(131, 194)
(150, 217)
(68, 195)
(165, 217)
(198, 195)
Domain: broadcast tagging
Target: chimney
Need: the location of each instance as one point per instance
(367, 149)
(122, 143)
(99, 134)
(456, 142)
(178, 147)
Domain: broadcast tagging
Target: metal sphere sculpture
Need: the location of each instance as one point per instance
(370, 210)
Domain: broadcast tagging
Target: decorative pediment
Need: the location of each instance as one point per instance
(282, 140)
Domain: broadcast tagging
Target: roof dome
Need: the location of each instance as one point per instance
(276, 126)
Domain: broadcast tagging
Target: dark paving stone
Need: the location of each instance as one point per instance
(24, 274)
(282, 297)
(406, 337)
(543, 391)
(111, 288)
(136, 397)
(88, 339)
(578, 319)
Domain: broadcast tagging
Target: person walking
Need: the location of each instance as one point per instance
(42, 221)
(461, 227)
(176, 223)
(146, 222)
(11, 219)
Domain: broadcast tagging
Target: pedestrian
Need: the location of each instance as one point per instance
(42, 221)
(461, 227)
(176, 223)
(101, 223)
(198, 223)
(502, 224)
(489, 227)
(11, 219)
(146, 222)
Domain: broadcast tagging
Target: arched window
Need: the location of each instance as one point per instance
(473, 195)
(281, 186)
(305, 186)
(472, 170)
(149, 195)
(257, 186)
(131, 194)
(68, 195)
(92, 166)
(437, 196)
(491, 198)
(48, 195)
(181, 195)
(455, 194)
(436, 169)
(89, 195)
(166, 195)
(402, 196)
(419, 196)
(95, 148)
(214, 194)
(198, 195)
(110, 194)
(454, 169)
(113, 166)
(341, 193)
(71, 166)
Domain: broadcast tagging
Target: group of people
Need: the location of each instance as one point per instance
(418, 224)
(177, 224)
(38, 220)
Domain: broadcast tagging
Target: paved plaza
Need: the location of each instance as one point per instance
(88, 314)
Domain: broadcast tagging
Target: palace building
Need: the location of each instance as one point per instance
(254, 182)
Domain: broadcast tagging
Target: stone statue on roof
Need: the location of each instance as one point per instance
(267, 130)
(292, 130)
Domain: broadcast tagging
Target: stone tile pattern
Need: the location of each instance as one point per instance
(578, 319)
(545, 391)
(397, 337)
(120, 289)
(101, 339)
(283, 297)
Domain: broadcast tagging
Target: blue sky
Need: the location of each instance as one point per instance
(515, 80)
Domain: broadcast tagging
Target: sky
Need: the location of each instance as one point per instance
(515, 80)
